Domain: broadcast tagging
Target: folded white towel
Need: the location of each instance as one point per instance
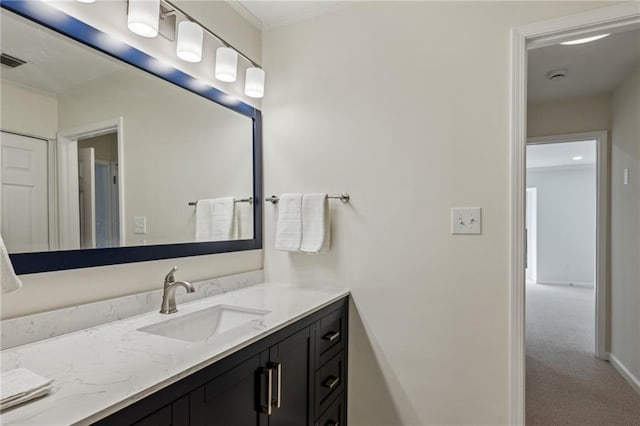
(9, 281)
(214, 219)
(20, 385)
(289, 226)
(315, 223)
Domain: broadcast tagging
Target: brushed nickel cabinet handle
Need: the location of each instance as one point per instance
(331, 382)
(278, 368)
(266, 409)
(331, 336)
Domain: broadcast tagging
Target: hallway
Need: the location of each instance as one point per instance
(565, 383)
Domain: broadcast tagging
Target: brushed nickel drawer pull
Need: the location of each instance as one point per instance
(331, 382)
(266, 409)
(331, 336)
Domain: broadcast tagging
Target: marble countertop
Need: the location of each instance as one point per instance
(100, 370)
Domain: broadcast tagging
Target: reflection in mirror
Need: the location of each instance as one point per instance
(97, 154)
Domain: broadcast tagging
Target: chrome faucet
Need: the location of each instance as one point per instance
(169, 295)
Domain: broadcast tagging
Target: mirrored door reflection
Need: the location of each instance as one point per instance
(98, 191)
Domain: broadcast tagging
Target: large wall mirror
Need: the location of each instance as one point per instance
(110, 156)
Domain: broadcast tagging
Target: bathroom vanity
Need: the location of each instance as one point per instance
(278, 357)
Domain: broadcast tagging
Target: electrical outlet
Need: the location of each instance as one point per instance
(466, 220)
(139, 224)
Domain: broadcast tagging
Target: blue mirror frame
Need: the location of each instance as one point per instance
(27, 263)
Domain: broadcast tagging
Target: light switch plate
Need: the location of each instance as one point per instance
(139, 224)
(466, 220)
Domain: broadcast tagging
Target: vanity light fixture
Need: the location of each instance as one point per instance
(254, 82)
(577, 158)
(144, 17)
(226, 64)
(86, 1)
(189, 45)
(584, 40)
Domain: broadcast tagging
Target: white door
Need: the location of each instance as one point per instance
(87, 182)
(25, 205)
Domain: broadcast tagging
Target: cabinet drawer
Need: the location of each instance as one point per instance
(330, 335)
(335, 415)
(329, 382)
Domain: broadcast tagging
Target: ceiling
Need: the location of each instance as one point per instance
(593, 68)
(54, 64)
(272, 14)
(561, 154)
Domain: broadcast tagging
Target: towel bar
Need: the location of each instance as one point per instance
(342, 197)
(241, 200)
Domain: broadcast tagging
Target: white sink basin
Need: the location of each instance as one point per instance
(201, 325)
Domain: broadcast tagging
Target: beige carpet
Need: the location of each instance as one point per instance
(566, 384)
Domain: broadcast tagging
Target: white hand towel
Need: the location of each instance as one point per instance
(8, 279)
(243, 222)
(315, 223)
(214, 219)
(289, 226)
(20, 385)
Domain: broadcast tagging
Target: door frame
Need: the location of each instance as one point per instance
(68, 149)
(532, 233)
(602, 229)
(612, 18)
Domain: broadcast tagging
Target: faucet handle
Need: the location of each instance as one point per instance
(169, 279)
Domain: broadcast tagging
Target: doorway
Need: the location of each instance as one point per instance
(610, 20)
(91, 186)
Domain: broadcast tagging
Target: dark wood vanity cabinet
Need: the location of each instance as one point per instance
(294, 377)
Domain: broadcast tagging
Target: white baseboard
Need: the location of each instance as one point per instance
(567, 283)
(624, 372)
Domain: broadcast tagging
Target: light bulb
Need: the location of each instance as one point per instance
(254, 82)
(226, 64)
(190, 36)
(144, 17)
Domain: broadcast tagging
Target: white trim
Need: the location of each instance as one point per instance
(566, 283)
(68, 202)
(537, 35)
(245, 13)
(602, 229)
(624, 372)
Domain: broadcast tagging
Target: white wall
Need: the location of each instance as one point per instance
(566, 223)
(53, 290)
(19, 106)
(625, 224)
(564, 116)
(405, 105)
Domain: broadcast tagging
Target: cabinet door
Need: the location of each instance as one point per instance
(231, 399)
(292, 378)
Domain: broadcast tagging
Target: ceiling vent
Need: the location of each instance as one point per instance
(11, 61)
(558, 74)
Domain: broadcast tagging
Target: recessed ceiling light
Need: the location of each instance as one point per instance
(577, 158)
(584, 40)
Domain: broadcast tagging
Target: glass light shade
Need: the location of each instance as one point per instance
(86, 1)
(144, 17)
(190, 36)
(226, 64)
(254, 83)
